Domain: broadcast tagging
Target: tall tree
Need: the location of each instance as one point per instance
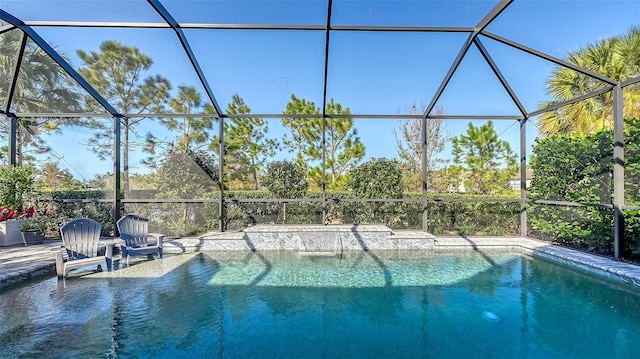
(409, 146)
(303, 131)
(343, 146)
(246, 143)
(116, 71)
(489, 161)
(618, 58)
(41, 86)
(53, 178)
(186, 174)
(182, 153)
(193, 133)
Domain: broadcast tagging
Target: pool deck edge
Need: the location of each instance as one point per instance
(20, 263)
(604, 266)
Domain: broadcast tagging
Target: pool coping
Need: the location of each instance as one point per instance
(625, 272)
(19, 263)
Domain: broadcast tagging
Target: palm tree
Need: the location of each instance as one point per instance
(617, 58)
(41, 86)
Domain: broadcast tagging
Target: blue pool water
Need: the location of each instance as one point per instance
(360, 305)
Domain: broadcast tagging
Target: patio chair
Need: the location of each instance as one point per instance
(134, 231)
(81, 241)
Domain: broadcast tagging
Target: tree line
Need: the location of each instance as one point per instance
(121, 74)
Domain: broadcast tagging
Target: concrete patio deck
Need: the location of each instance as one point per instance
(19, 263)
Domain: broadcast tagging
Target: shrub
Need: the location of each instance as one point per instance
(55, 212)
(285, 180)
(377, 178)
(579, 168)
(16, 186)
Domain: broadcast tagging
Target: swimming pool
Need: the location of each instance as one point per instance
(360, 304)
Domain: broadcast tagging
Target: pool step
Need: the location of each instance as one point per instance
(316, 254)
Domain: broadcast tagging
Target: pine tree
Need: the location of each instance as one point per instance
(247, 145)
(116, 71)
(489, 161)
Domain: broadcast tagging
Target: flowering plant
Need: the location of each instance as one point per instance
(16, 190)
(7, 213)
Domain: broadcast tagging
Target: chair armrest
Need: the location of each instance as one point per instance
(110, 243)
(119, 241)
(159, 237)
(55, 250)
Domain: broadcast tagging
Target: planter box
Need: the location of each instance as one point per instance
(10, 232)
(32, 236)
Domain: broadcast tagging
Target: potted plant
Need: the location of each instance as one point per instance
(32, 231)
(16, 186)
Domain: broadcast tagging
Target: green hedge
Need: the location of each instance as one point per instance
(586, 228)
(579, 168)
(167, 218)
(55, 213)
(447, 213)
(474, 218)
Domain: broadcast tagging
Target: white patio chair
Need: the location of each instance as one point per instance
(134, 231)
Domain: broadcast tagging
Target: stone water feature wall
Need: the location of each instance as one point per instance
(316, 238)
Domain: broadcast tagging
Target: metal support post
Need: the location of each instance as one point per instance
(618, 173)
(523, 178)
(13, 119)
(327, 39)
(324, 170)
(221, 212)
(117, 157)
(13, 140)
(425, 199)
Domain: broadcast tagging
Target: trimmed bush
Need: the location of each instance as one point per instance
(285, 180)
(579, 168)
(377, 178)
(57, 212)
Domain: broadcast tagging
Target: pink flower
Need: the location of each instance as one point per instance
(20, 213)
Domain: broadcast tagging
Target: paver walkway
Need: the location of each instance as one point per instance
(19, 263)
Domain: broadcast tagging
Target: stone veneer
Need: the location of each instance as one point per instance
(316, 238)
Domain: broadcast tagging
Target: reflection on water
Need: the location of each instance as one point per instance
(279, 304)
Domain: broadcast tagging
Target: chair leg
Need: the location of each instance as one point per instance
(109, 256)
(59, 265)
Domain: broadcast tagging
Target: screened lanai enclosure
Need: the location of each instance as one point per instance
(466, 117)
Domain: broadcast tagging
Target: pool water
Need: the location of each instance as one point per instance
(358, 305)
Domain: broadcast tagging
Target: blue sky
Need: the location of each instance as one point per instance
(369, 72)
